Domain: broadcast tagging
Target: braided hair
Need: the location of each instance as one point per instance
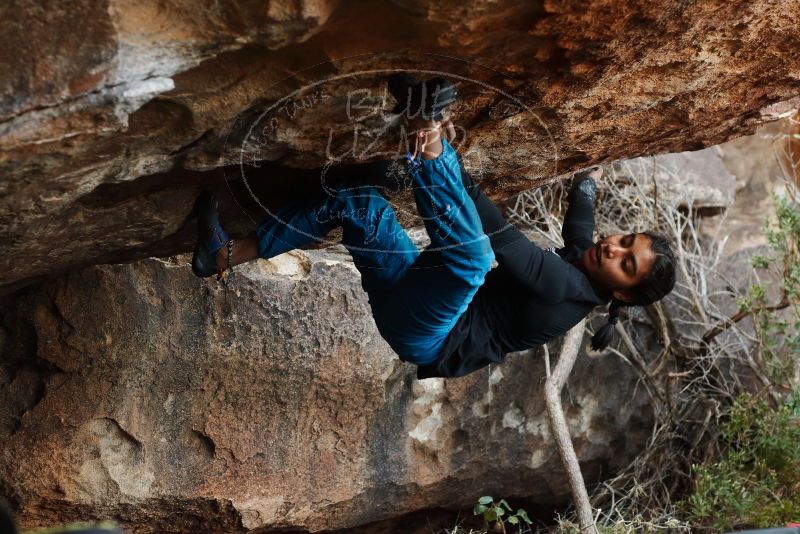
(655, 286)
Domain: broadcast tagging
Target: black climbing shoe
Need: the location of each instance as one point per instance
(210, 235)
(426, 99)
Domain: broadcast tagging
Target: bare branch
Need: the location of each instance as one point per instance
(553, 386)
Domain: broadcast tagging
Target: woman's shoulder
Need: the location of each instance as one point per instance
(574, 250)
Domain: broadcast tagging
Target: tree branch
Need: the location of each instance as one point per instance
(552, 388)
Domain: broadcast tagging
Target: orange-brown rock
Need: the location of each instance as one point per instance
(104, 103)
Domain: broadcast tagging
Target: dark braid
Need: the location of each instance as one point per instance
(655, 286)
(602, 337)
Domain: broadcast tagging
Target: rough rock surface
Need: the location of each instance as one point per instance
(136, 391)
(104, 104)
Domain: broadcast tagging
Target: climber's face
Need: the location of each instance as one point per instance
(619, 262)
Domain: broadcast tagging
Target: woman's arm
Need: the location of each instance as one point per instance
(578, 226)
(541, 271)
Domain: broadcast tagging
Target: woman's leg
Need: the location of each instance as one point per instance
(448, 212)
(416, 299)
(420, 310)
(380, 247)
(390, 175)
(359, 178)
(244, 249)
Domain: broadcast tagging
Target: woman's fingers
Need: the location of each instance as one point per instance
(593, 172)
(596, 172)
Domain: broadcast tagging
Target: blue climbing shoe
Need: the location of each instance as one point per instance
(210, 236)
(426, 99)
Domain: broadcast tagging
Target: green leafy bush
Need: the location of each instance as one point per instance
(756, 482)
(779, 333)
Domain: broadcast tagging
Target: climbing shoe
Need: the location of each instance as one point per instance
(426, 99)
(210, 235)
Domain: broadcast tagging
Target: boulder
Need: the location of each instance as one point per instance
(687, 180)
(141, 393)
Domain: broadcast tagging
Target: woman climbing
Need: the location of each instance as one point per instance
(442, 309)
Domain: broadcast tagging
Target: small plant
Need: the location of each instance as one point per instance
(500, 513)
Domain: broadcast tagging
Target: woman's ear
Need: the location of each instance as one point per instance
(624, 296)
